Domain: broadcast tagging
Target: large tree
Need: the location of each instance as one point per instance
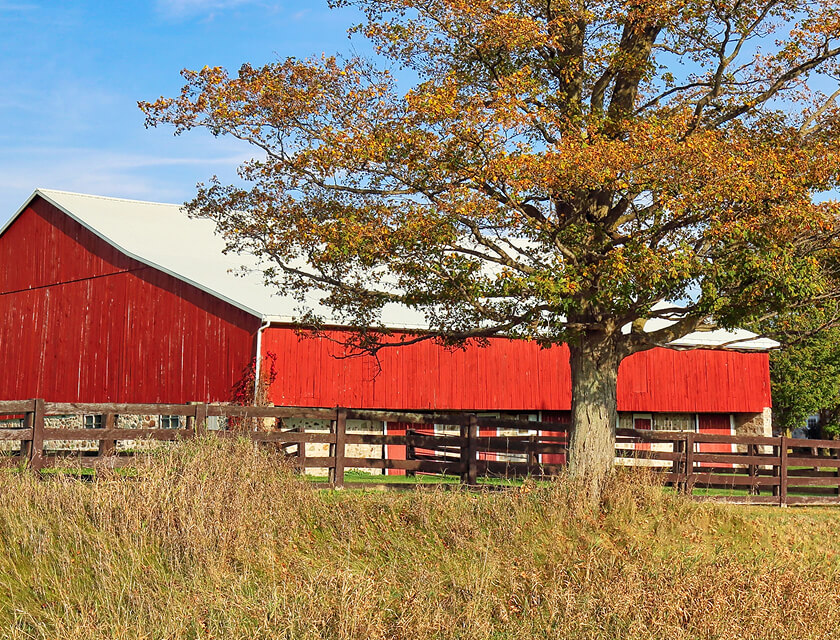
(557, 170)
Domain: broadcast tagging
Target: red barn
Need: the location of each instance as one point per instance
(114, 300)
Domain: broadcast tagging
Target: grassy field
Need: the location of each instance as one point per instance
(213, 539)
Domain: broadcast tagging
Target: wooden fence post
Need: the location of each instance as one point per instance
(837, 471)
(783, 471)
(752, 450)
(464, 458)
(300, 464)
(689, 464)
(36, 453)
(26, 445)
(472, 467)
(410, 450)
(302, 455)
(108, 447)
(533, 459)
(331, 454)
(200, 420)
(469, 451)
(340, 454)
(678, 465)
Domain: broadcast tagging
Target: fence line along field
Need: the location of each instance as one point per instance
(758, 470)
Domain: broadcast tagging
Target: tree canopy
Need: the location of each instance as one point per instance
(560, 170)
(806, 382)
(805, 372)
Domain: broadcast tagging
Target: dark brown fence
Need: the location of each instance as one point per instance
(759, 470)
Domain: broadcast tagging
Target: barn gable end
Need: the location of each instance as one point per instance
(82, 321)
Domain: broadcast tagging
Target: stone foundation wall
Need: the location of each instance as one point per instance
(755, 424)
(10, 446)
(121, 422)
(213, 423)
(77, 422)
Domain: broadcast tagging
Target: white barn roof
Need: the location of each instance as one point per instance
(164, 237)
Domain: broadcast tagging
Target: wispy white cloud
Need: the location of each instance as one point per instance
(61, 110)
(95, 158)
(144, 176)
(185, 8)
(18, 6)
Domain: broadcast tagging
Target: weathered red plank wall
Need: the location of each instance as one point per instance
(506, 375)
(719, 425)
(79, 321)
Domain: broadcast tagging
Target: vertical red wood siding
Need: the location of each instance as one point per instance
(557, 417)
(80, 321)
(395, 451)
(714, 424)
(702, 380)
(643, 424)
(507, 375)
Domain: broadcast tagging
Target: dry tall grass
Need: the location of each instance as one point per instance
(217, 540)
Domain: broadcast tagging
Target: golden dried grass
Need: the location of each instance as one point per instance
(216, 539)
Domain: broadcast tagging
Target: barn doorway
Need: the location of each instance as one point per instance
(719, 424)
(643, 422)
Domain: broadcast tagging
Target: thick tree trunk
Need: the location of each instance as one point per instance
(594, 414)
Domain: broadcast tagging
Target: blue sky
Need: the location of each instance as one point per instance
(73, 72)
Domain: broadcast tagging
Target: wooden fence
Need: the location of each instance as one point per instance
(759, 470)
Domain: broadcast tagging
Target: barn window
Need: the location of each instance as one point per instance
(170, 422)
(92, 421)
(643, 421)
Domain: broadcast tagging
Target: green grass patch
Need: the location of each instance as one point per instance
(363, 477)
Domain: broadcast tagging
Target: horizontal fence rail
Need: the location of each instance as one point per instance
(754, 469)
